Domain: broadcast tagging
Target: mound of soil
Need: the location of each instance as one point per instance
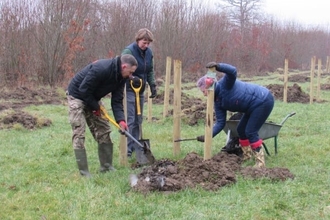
(23, 96)
(15, 100)
(299, 78)
(325, 86)
(26, 120)
(194, 109)
(193, 171)
(295, 93)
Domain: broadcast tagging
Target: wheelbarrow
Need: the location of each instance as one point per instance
(267, 130)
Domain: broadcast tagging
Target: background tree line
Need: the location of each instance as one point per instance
(46, 42)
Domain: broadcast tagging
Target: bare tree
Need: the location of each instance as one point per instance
(60, 25)
(15, 45)
(244, 15)
(47, 41)
(185, 31)
(124, 18)
(242, 12)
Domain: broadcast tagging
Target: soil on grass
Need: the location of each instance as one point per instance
(222, 169)
(26, 120)
(13, 101)
(164, 175)
(23, 96)
(193, 171)
(194, 109)
(294, 93)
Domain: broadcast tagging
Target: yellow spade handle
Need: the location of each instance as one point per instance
(137, 96)
(105, 114)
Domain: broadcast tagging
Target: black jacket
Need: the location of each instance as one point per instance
(98, 79)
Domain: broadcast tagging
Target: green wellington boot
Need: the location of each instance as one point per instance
(81, 159)
(105, 156)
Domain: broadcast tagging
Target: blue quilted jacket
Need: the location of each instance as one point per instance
(234, 95)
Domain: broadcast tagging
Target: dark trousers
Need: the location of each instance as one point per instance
(134, 121)
(251, 122)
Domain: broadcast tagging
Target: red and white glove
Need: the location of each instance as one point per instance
(97, 112)
(123, 127)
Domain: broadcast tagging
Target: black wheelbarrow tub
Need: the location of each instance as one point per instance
(267, 130)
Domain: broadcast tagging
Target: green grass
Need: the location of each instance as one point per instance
(39, 178)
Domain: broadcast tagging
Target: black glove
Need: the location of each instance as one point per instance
(200, 138)
(153, 91)
(211, 65)
(136, 82)
(122, 132)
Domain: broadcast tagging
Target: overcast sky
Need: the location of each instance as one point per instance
(303, 11)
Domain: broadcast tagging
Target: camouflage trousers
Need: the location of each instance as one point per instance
(79, 116)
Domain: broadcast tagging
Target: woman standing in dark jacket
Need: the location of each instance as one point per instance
(84, 95)
(254, 101)
(143, 74)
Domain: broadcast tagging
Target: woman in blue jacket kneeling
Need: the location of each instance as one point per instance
(254, 101)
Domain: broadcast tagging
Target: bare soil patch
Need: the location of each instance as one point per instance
(194, 109)
(302, 78)
(295, 93)
(13, 101)
(26, 120)
(164, 175)
(193, 171)
(325, 86)
(222, 169)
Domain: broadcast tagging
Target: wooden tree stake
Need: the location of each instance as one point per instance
(285, 86)
(209, 116)
(167, 86)
(177, 106)
(312, 80)
(318, 91)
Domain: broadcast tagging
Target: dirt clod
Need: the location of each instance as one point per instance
(26, 120)
(193, 110)
(193, 171)
(13, 101)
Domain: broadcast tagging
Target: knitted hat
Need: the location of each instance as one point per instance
(205, 82)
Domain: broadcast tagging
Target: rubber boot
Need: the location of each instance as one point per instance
(259, 157)
(82, 163)
(247, 153)
(105, 156)
(245, 146)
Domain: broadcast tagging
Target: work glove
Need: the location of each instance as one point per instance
(123, 127)
(136, 82)
(97, 112)
(153, 91)
(200, 138)
(211, 65)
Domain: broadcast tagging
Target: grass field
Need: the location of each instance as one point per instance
(39, 177)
